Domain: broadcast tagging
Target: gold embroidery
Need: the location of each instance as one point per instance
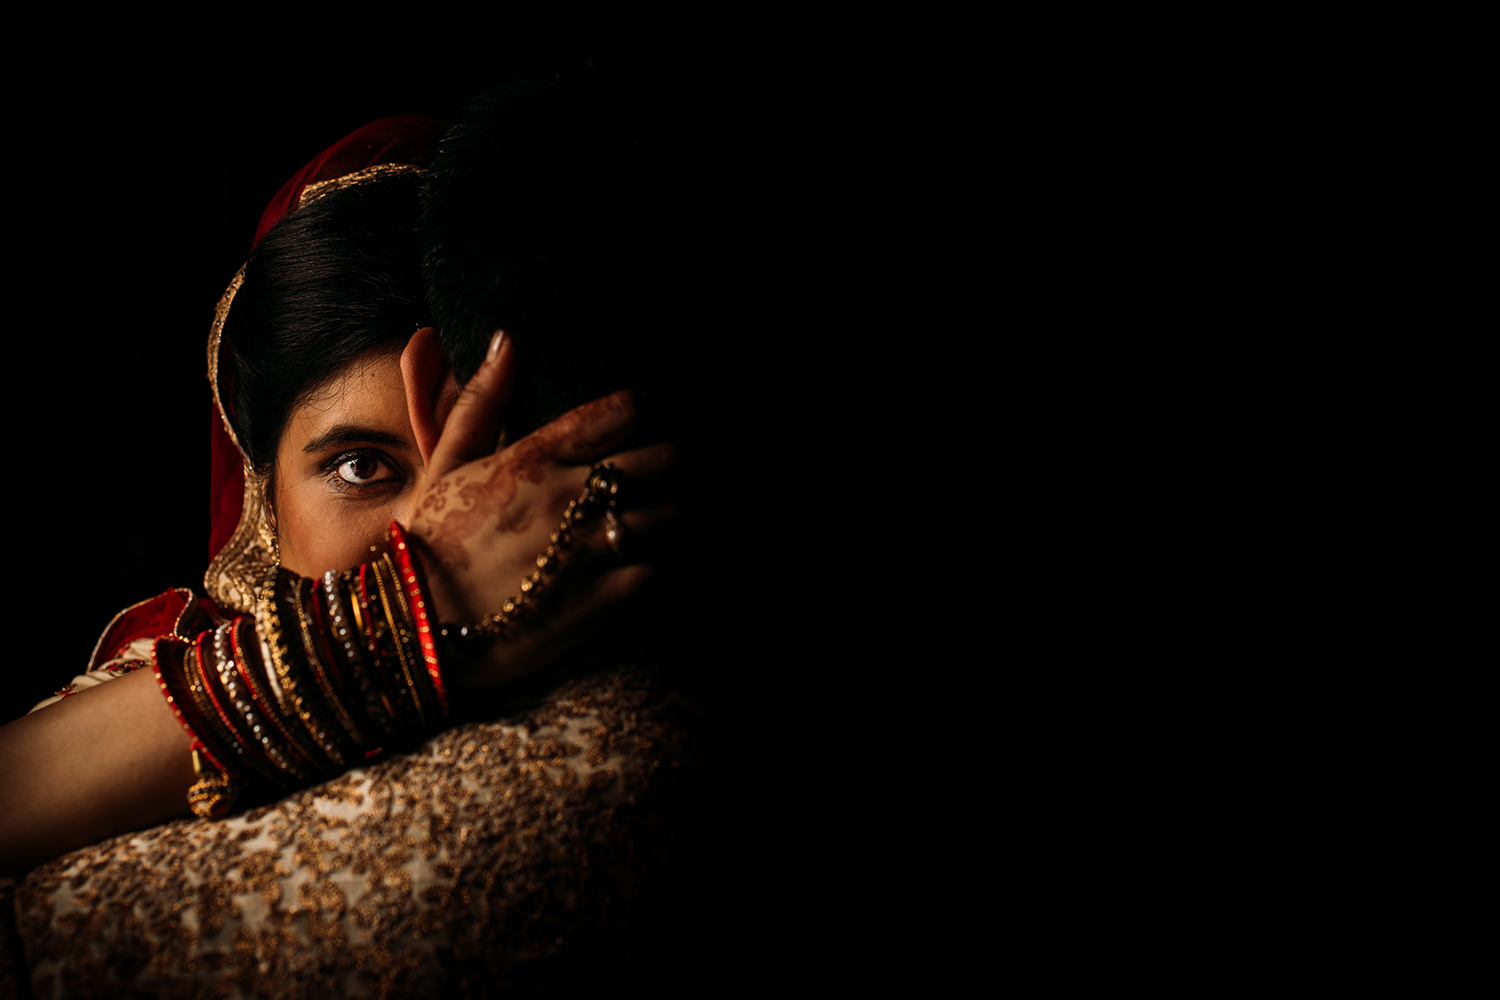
(215, 334)
(318, 189)
(235, 572)
(483, 853)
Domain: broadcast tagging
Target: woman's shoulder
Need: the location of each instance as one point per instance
(125, 644)
(173, 612)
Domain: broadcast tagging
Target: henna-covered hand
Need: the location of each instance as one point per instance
(486, 515)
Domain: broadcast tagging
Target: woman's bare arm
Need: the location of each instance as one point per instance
(105, 761)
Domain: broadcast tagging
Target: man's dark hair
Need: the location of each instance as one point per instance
(554, 211)
(560, 209)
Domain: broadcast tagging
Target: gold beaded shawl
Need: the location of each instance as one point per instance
(498, 854)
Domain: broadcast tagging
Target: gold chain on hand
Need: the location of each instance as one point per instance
(600, 492)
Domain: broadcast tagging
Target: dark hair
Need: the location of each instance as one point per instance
(548, 213)
(328, 282)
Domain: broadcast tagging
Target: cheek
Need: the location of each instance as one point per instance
(317, 532)
(315, 538)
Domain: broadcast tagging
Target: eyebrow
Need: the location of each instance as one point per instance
(342, 434)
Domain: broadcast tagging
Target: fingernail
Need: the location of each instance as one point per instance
(495, 343)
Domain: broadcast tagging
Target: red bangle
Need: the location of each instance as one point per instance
(172, 684)
(255, 764)
(401, 716)
(295, 756)
(416, 597)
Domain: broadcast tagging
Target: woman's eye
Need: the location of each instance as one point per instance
(363, 470)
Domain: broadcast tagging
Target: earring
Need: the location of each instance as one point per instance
(270, 537)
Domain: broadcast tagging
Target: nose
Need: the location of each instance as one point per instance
(406, 507)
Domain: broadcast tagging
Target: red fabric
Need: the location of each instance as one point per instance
(411, 581)
(157, 616)
(402, 139)
(226, 483)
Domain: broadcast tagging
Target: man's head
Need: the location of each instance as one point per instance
(555, 211)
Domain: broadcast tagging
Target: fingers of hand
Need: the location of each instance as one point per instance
(622, 535)
(589, 432)
(473, 427)
(618, 587)
(647, 471)
(636, 534)
(642, 507)
(539, 639)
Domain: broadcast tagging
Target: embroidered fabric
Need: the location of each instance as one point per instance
(125, 644)
(498, 855)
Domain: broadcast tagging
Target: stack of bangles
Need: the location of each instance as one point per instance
(328, 674)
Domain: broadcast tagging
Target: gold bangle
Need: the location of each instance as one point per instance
(394, 697)
(291, 698)
(214, 793)
(242, 704)
(300, 761)
(340, 610)
(320, 676)
(411, 643)
(394, 624)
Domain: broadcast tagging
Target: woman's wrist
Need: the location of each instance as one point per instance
(328, 675)
(506, 642)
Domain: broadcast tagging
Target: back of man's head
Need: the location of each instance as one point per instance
(556, 210)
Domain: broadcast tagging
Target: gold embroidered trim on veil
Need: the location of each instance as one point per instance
(235, 573)
(316, 190)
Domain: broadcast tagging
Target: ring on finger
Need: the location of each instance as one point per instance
(605, 483)
(602, 489)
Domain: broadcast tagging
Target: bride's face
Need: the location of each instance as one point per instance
(346, 467)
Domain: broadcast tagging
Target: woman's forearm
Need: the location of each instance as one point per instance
(103, 762)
